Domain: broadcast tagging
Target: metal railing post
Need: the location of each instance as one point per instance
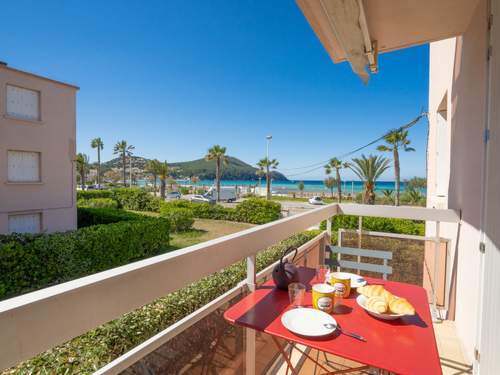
(339, 244)
(250, 333)
(436, 269)
(360, 229)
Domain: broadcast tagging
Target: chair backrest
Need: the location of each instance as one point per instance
(384, 269)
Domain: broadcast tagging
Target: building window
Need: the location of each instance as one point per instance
(25, 223)
(23, 103)
(23, 166)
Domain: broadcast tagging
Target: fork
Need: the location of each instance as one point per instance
(350, 334)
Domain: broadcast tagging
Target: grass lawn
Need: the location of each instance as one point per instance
(204, 230)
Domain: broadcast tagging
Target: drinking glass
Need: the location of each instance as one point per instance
(322, 271)
(296, 292)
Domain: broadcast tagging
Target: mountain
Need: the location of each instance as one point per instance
(205, 170)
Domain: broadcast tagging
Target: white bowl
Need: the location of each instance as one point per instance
(361, 300)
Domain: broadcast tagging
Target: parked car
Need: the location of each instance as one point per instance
(227, 193)
(202, 199)
(173, 195)
(316, 200)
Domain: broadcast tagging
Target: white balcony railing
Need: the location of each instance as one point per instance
(40, 320)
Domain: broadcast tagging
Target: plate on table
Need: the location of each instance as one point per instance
(361, 300)
(356, 280)
(309, 322)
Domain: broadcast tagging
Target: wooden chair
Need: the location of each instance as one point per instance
(384, 269)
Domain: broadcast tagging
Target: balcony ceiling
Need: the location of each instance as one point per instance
(357, 30)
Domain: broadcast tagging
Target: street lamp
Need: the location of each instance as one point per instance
(268, 138)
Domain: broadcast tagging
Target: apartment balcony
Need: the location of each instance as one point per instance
(203, 342)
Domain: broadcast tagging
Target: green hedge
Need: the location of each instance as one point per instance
(180, 218)
(30, 262)
(252, 210)
(97, 203)
(92, 194)
(135, 199)
(94, 216)
(377, 224)
(86, 353)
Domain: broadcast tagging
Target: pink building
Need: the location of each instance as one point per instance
(37, 148)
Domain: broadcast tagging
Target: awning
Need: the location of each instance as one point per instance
(357, 30)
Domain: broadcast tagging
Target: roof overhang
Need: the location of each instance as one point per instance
(357, 31)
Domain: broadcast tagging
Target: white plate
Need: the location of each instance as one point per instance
(309, 322)
(361, 300)
(356, 280)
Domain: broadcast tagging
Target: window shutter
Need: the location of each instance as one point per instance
(23, 103)
(25, 223)
(23, 166)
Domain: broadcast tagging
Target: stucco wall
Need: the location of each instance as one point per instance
(458, 70)
(54, 137)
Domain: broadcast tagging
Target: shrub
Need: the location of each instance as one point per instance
(135, 199)
(184, 190)
(97, 203)
(30, 262)
(257, 211)
(94, 216)
(180, 218)
(93, 194)
(98, 347)
(378, 224)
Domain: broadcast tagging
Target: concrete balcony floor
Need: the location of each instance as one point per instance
(452, 359)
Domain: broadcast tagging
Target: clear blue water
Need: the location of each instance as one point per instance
(309, 185)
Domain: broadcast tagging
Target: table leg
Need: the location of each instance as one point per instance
(285, 356)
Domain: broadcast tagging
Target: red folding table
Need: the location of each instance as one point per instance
(403, 346)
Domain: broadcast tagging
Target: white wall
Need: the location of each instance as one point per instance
(458, 74)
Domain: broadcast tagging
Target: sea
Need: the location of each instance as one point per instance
(292, 186)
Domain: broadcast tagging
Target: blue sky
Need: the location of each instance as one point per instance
(175, 77)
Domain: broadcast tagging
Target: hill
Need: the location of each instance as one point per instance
(235, 169)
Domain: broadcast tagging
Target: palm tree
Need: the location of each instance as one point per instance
(336, 164)
(99, 145)
(265, 166)
(369, 169)
(396, 140)
(82, 162)
(301, 186)
(217, 153)
(330, 183)
(123, 149)
(152, 167)
(163, 175)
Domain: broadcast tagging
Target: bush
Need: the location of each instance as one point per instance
(257, 211)
(30, 262)
(98, 347)
(184, 190)
(93, 194)
(180, 218)
(378, 224)
(94, 216)
(97, 203)
(135, 199)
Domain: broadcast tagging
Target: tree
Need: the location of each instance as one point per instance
(330, 183)
(163, 175)
(266, 166)
(152, 167)
(416, 183)
(389, 195)
(336, 164)
(99, 145)
(414, 196)
(301, 187)
(369, 169)
(396, 140)
(82, 162)
(123, 149)
(217, 153)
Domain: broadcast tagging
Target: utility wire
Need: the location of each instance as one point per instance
(321, 164)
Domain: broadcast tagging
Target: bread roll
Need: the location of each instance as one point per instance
(401, 306)
(371, 290)
(388, 296)
(377, 304)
